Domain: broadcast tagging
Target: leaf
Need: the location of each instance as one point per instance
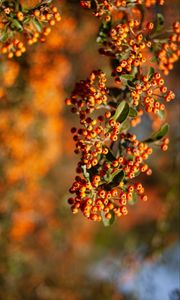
(115, 179)
(93, 171)
(141, 9)
(132, 112)
(111, 176)
(158, 24)
(114, 92)
(158, 135)
(26, 20)
(124, 114)
(103, 31)
(85, 173)
(17, 24)
(108, 222)
(151, 72)
(110, 156)
(154, 59)
(114, 63)
(127, 76)
(37, 25)
(4, 36)
(121, 112)
(112, 104)
(134, 198)
(131, 83)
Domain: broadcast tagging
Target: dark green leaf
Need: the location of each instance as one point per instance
(124, 114)
(131, 83)
(158, 24)
(121, 111)
(115, 179)
(110, 156)
(151, 72)
(141, 9)
(103, 31)
(158, 135)
(132, 112)
(114, 63)
(114, 92)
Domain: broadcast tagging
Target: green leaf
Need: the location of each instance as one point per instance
(121, 112)
(4, 36)
(151, 72)
(114, 63)
(110, 156)
(124, 114)
(26, 20)
(114, 92)
(108, 222)
(154, 59)
(37, 25)
(158, 24)
(17, 24)
(134, 198)
(127, 76)
(158, 135)
(115, 179)
(131, 83)
(103, 31)
(132, 112)
(93, 171)
(141, 9)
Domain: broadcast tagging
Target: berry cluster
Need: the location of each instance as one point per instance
(20, 26)
(89, 95)
(170, 51)
(105, 189)
(150, 91)
(127, 43)
(105, 7)
(110, 155)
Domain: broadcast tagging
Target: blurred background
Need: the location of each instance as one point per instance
(46, 253)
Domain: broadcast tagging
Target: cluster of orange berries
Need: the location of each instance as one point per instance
(104, 7)
(103, 191)
(20, 26)
(92, 140)
(110, 156)
(103, 203)
(170, 51)
(150, 91)
(126, 43)
(89, 95)
(99, 165)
